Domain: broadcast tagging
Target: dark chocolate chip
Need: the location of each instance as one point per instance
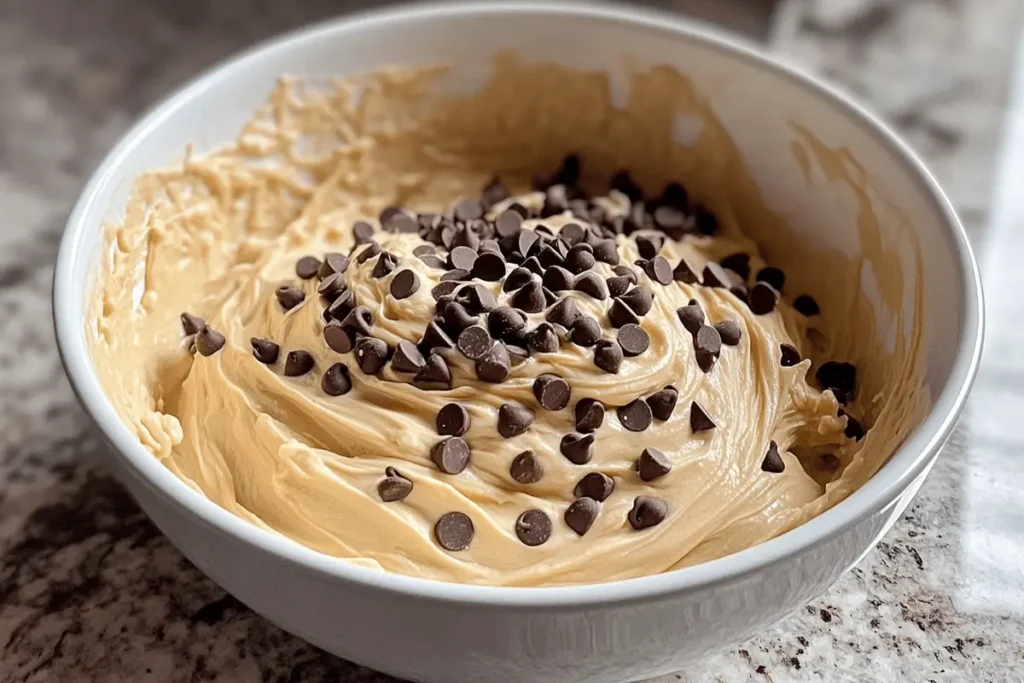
(494, 192)
(457, 318)
(740, 292)
(424, 249)
(621, 314)
(495, 365)
(407, 358)
(362, 232)
(526, 468)
(572, 233)
(489, 266)
(332, 286)
(635, 416)
(838, 376)
(505, 323)
(707, 223)
(526, 241)
(517, 354)
(627, 272)
(462, 258)
(387, 212)
(653, 464)
(592, 285)
(806, 305)
(674, 195)
(508, 223)
(773, 276)
(336, 381)
(435, 375)
(550, 298)
(454, 531)
(789, 355)
(672, 220)
(298, 363)
(400, 222)
(700, 421)
(289, 297)
(738, 263)
(369, 251)
(385, 264)
(772, 460)
(533, 528)
(338, 338)
(451, 455)
(443, 289)
(191, 324)
(580, 258)
(404, 284)
(557, 279)
(596, 485)
(468, 209)
(333, 264)
(434, 338)
(394, 487)
(684, 273)
(762, 298)
(663, 403)
(551, 392)
(549, 257)
(432, 260)
(625, 184)
(543, 339)
(341, 307)
(577, 448)
(640, 299)
(307, 267)
(647, 512)
(564, 313)
(607, 251)
(474, 342)
(517, 279)
(608, 356)
(729, 331)
(264, 350)
(589, 416)
(533, 265)
(358, 320)
(853, 429)
(581, 513)
(715, 276)
(617, 285)
(649, 245)
(477, 299)
(208, 341)
(513, 419)
(371, 354)
(691, 316)
(707, 345)
(633, 339)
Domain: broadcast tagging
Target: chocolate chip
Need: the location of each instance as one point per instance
(586, 331)
(707, 345)
(840, 377)
(691, 316)
(580, 259)
(400, 223)
(495, 366)
(551, 392)
(191, 324)
(371, 354)
(772, 460)
(526, 241)
(332, 286)
(432, 260)
(508, 223)
(762, 299)
(577, 448)
(407, 358)
(653, 464)
(790, 356)
(462, 258)
(451, 455)
(526, 468)
(595, 485)
(387, 212)
(557, 279)
(663, 403)
(589, 416)
(647, 512)
(513, 419)
(773, 276)
(404, 284)
(372, 249)
(454, 531)
(684, 273)
(298, 363)
(580, 515)
(358, 320)
(520, 209)
(738, 263)
(617, 285)
(608, 356)
(289, 297)
(518, 278)
(443, 289)
(468, 209)
(477, 299)
(740, 292)
(494, 192)
(729, 331)
(806, 305)
(543, 339)
(564, 313)
(489, 267)
(533, 528)
(621, 314)
(607, 251)
(491, 246)
(424, 250)
(386, 263)
(622, 182)
(341, 307)
(649, 245)
(435, 375)
(394, 487)
(853, 429)
(338, 338)
(550, 298)
(715, 276)
(474, 342)
(627, 272)
(307, 267)
(336, 381)
(517, 354)
(457, 318)
(633, 339)
(635, 416)
(592, 285)
(333, 264)
(700, 421)
(707, 223)
(533, 265)
(434, 338)
(640, 299)
(264, 350)
(208, 341)
(362, 232)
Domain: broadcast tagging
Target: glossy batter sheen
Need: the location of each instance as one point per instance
(217, 234)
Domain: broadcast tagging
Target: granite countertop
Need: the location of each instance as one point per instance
(91, 591)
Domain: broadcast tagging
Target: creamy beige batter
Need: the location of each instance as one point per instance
(216, 234)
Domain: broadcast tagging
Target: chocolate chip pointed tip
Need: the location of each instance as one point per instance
(700, 421)
(209, 341)
(580, 515)
(773, 462)
(647, 512)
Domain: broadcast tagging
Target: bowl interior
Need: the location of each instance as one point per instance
(835, 187)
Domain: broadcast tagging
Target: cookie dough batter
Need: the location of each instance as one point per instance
(704, 447)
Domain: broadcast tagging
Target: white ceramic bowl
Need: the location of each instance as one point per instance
(619, 631)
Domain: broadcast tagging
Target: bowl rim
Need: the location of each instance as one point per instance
(909, 461)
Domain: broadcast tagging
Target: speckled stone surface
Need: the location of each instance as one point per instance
(90, 590)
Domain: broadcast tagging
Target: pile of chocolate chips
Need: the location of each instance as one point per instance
(535, 268)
